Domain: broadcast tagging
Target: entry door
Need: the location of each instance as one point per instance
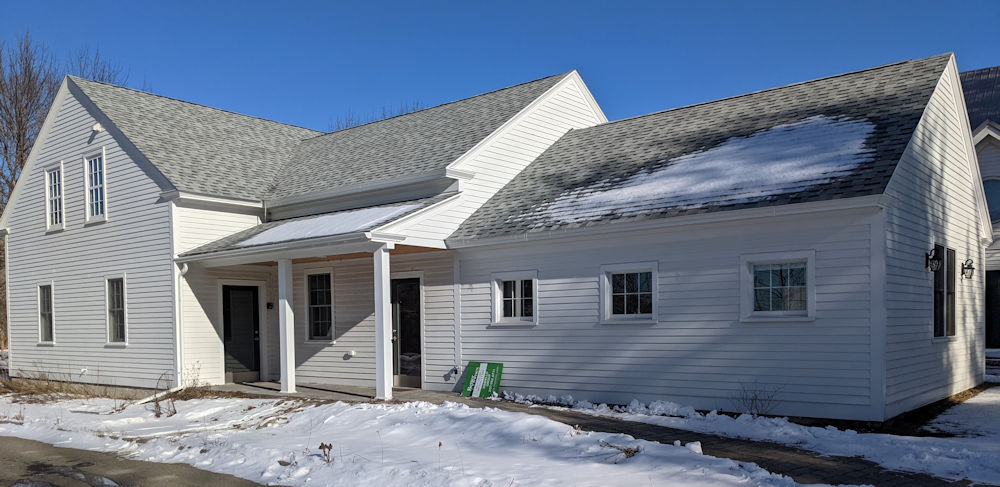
(241, 327)
(992, 309)
(406, 332)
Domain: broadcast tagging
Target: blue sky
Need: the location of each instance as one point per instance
(306, 63)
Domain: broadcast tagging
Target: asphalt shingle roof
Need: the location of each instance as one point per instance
(199, 149)
(415, 143)
(214, 152)
(982, 95)
(570, 184)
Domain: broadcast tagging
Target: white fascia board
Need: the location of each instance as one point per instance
(363, 188)
(40, 139)
(315, 247)
(417, 214)
(585, 90)
(985, 226)
(986, 129)
(861, 202)
(185, 197)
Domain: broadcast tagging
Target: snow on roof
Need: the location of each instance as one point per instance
(781, 159)
(327, 225)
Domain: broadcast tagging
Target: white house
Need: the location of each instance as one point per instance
(816, 241)
(982, 97)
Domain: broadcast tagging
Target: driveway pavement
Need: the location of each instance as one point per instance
(27, 463)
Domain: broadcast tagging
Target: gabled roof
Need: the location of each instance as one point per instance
(410, 144)
(825, 139)
(982, 95)
(199, 149)
(215, 152)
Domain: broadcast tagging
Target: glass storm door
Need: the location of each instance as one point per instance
(405, 301)
(241, 330)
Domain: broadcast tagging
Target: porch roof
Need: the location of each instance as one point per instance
(348, 225)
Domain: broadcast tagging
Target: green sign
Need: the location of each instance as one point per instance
(482, 379)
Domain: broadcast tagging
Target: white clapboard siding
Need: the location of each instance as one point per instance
(932, 199)
(135, 241)
(327, 362)
(567, 106)
(988, 151)
(699, 352)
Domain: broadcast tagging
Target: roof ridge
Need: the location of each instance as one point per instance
(765, 90)
(442, 104)
(77, 78)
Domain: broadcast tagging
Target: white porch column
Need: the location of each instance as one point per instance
(286, 326)
(383, 325)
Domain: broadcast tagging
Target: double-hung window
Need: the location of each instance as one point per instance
(116, 310)
(778, 286)
(54, 198)
(46, 323)
(320, 303)
(515, 298)
(945, 281)
(94, 172)
(629, 292)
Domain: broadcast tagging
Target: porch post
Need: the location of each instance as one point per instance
(286, 326)
(383, 325)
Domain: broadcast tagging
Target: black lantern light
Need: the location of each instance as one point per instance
(968, 269)
(932, 260)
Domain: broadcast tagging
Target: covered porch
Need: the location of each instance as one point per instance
(359, 313)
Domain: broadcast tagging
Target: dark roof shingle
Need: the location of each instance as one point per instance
(982, 95)
(689, 160)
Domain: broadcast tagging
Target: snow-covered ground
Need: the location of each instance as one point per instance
(974, 456)
(410, 444)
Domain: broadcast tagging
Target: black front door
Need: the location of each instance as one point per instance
(992, 309)
(406, 332)
(241, 329)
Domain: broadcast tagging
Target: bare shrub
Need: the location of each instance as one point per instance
(756, 399)
(626, 451)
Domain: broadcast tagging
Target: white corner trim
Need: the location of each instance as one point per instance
(497, 318)
(604, 285)
(746, 261)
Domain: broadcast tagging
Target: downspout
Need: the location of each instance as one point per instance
(179, 324)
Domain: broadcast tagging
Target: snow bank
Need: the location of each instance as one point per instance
(783, 159)
(411, 444)
(975, 457)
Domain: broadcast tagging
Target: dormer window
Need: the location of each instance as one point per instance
(54, 198)
(96, 195)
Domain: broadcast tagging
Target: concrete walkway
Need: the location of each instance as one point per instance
(802, 466)
(32, 463)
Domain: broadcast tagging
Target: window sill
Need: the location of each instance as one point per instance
(944, 339)
(513, 324)
(95, 221)
(320, 341)
(51, 230)
(778, 319)
(629, 321)
(115, 345)
(45, 344)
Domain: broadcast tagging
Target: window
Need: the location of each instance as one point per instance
(96, 198)
(116, 310)
(45, 321)
(778, 286)
(515, 298)
(53, 198)
(320, 306)
(945, 280)
(629, 292)
(992, 189)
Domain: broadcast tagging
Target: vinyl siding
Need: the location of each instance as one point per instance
(988, 152)
(501, 158)
(699, 352)
(135, 241)
(196, 225)
(931, 199)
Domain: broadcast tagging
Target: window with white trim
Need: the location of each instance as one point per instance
(116, 310)
(515, 297)
(778, 286)
(629, 292)
(96, 197)
(54, 198)
(320, 303)
(945, 282)
(46, 323)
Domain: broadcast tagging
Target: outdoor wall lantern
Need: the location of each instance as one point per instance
(968, 269)
(932, 260)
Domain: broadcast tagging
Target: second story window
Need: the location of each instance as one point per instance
(53, 198)
(95, 187)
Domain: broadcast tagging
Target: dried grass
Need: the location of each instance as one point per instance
(41, 388)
